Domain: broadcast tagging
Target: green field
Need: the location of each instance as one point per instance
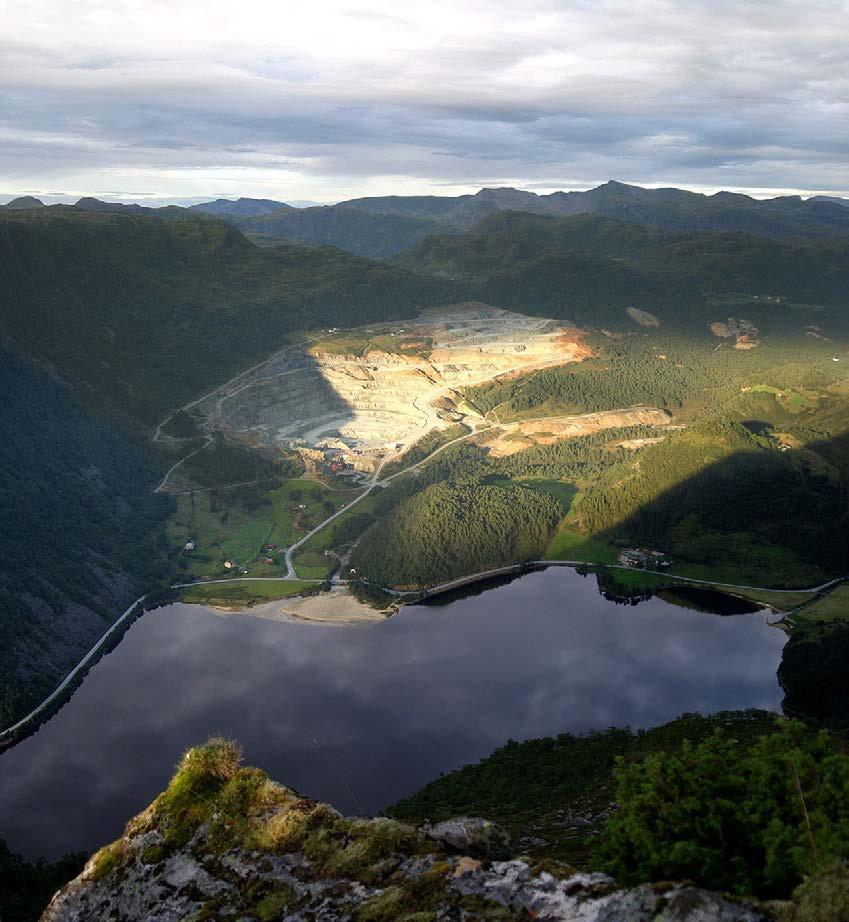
(794, 399)
(247, 591)
(220, 532)
(563, 492)
(291, 522)
(754, 564)
(358, 342)
(224, 528)
(833, 606)
(569, 544)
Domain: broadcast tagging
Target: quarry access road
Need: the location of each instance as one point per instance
(374, 482)
(291, 573)
(164, 482)
(159, 436)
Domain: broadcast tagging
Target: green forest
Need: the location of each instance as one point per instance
(450, 529)
(142, 313)
(717, 800)
(77, 513)
(658, 370)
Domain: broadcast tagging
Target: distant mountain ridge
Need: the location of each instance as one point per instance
(241, 207)
(23, 202)
(385, 225)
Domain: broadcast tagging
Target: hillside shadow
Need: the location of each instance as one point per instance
(780, 498)
(749, 509)
(284, 401)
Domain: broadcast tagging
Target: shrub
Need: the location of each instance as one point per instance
(755, 820)
(823, 897)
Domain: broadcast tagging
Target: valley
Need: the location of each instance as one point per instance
(424, 462)
(350, 406)
(565, 388)
(485, 403)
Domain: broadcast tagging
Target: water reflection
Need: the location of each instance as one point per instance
(708, 600)
(364, 714)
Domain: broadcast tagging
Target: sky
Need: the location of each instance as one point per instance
(183, 100)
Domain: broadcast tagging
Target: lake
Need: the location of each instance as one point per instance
(361, 715)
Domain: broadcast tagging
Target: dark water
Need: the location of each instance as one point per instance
(361, 715)
(707, 600)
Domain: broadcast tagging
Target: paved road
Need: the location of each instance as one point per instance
(375, 482)
(243, 579)
(515, 568)
(9, 731)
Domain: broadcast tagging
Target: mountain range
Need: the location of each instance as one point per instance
(383, 226)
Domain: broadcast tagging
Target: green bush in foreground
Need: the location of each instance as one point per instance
(755, 820)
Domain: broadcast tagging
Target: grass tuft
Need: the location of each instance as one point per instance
(287, 831)
(110, 858)
(189, 799)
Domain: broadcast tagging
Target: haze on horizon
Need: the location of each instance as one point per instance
(154, 101)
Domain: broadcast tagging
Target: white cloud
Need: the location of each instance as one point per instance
(331, 99)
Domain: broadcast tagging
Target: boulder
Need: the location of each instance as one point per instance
(471, 835)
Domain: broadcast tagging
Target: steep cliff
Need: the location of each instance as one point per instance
(225, 842)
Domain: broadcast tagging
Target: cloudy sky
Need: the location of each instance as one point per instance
(176, 100)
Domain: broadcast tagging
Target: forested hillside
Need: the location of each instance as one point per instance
(80, 528)
(748, 484)
(384, 225)
(716, 495)
(455, 528)
(143, 313)
(360, 232)
(660, 369)
(590, 269)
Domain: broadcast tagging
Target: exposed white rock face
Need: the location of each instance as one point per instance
(224, 842)
(594, 897)
(192, 883)
(375, 398)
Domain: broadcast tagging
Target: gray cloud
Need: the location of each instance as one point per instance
(334, 101)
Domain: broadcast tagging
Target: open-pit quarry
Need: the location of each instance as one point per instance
(366, 395)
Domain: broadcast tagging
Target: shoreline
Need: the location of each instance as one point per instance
(31, 721)
(13, 734)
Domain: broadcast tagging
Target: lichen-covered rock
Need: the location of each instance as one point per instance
(472, 835)
(224, 842)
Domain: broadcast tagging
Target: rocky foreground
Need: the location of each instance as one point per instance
(226, 842)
